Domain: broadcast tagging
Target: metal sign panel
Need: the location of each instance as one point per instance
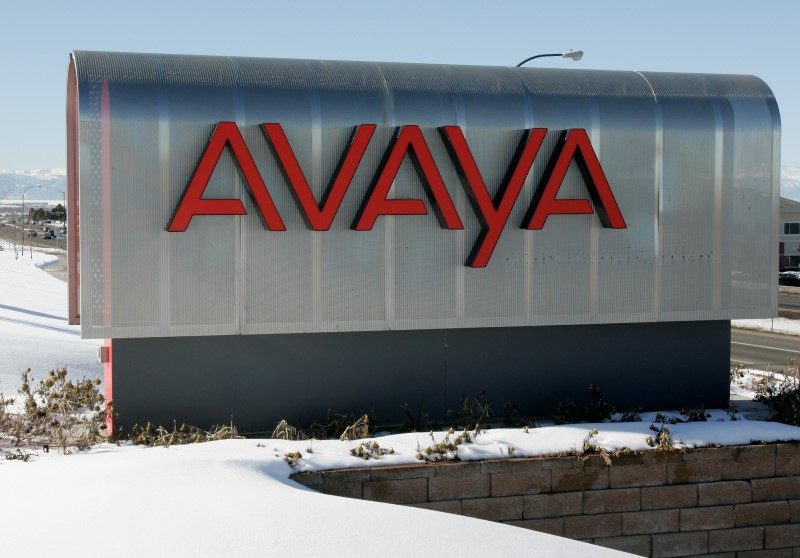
(223, 195)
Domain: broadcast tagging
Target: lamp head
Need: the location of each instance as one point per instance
(573, 54)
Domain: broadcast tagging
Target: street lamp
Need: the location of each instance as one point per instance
(22, 218)
(572, 54)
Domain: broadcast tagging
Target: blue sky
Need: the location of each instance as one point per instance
(755, 37)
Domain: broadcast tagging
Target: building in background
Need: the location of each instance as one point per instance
(789, 231)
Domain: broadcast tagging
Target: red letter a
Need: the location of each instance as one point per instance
(407, 139)
(574, 145)
(192, 202)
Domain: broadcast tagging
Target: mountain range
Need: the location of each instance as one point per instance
(790, 182)
(53, 183)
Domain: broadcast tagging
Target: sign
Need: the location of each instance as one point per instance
(493, 214)
(376, 196)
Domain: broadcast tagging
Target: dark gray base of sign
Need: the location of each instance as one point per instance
(260, 379)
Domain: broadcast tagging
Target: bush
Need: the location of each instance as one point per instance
(512, 416)
(335, 425)
(56, 411)
(447, 450)
(411, 423)
(370, 450)
(571, 412)
(285, 431)
(474, 410)
(781, 393)
(151, 435)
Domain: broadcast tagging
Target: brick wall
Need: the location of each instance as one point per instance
(733, 501)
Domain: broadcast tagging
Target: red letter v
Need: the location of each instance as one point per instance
(319, 217)
(192, 202)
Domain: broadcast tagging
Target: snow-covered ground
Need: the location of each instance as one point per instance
(33, 323)
(546, 440)
(776, 325)
(235, 498)
(230, 498)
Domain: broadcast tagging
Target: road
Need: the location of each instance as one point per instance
(763, 350)
(789, 298)
(14, 234)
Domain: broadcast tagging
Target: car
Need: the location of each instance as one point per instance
(48, 235)
(789, 278)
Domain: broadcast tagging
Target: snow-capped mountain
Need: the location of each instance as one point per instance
(790, 182)
(52, 184)
(54, 181)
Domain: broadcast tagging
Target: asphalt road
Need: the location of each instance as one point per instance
(789, 298)
(13, 234)
(763, 350)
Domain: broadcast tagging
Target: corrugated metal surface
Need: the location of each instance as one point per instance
(691, 159)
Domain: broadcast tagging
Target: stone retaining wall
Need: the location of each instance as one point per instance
(731, 501)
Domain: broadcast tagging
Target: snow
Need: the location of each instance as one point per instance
(33, 323)
(746, 385)
(235, 497)
(229, 498)
(545, 440)
(775, 325)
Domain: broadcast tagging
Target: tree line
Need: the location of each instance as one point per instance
(58, 213)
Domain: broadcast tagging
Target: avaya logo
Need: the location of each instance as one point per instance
(492, 214)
